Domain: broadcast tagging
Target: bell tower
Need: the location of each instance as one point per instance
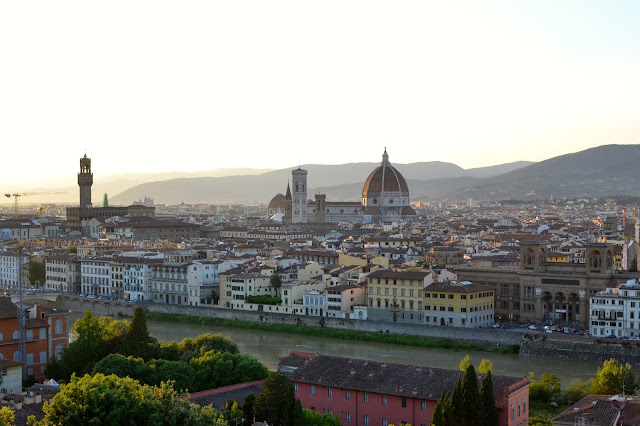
(85, 180)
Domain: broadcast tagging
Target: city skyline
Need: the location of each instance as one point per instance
(210, 86)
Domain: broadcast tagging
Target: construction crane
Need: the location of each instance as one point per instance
(17, 196)
(41, 209)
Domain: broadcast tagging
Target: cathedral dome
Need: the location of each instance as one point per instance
(277, 202)
(385, 179)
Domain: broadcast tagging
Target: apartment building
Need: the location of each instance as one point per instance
(458, 304)
(616, 311)
(397, 296)
(45, 336)
(63, 273)
(10, 265)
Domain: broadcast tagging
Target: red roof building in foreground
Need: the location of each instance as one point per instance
(368, 393)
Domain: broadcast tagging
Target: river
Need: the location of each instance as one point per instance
(267, 347)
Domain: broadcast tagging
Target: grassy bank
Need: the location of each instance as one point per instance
(362, 336)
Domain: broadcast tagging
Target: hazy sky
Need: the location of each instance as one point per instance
(197, 85)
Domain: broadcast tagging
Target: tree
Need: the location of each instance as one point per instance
(180, 373)
(137, 342)
(438, 412)
(270, 404)
(275, 282)
(614, 378)
(473, 409)
(72, 250)
(312, 418)
(545, 389)
(37, 273)
(100, 399)
(207, 342)
(456, 408)
(214, 369)
(7, 416)
(465, 363)
(577, 389)
(247, 406)
(123, 366)
(488, 401)
(92, 338)
(485, 366)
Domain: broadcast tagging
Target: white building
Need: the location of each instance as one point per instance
(62, 273)
(10, 269)
(314, 303)
(96, 276)
(137, 279)
(616, 311)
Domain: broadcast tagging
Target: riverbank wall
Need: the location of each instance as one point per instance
(475, 335)
(576, 348)
(532, 345)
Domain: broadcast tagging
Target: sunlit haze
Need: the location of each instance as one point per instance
(186, 86)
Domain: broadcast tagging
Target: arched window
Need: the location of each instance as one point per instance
(17, 356)
(16, 335)
(1, 337)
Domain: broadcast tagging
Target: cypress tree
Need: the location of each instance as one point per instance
(473, 409)
(457, 411)
(488, 401)
(438, 415)
(136, 342)
(247, 406)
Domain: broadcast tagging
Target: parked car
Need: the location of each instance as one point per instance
(611, 336)
(495, 325)
(634, 338)
(533, 327)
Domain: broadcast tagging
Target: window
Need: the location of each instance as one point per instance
(404, 402)
(366, 397)
(313, 389)
(59, 326)
(58, 350)
(295, 387)
(385, 422)
(423, 405)
(43, 333)
(366, 421)
(348, 394)
(347, 417)
(384, 399)
(29, 359)
(30, 334)
(330, 392)
(43, 357)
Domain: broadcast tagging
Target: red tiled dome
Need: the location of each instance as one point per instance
(277, 202)
(385, 178)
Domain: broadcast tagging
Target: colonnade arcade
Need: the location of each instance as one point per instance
(560, 306)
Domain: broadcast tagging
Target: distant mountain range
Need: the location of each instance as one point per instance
(605, 170)
(340, 182)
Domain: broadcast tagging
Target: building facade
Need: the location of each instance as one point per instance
(368, 393)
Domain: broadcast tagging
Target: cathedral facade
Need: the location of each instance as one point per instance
(385, 198)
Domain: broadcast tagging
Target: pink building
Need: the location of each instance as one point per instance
(369, 393)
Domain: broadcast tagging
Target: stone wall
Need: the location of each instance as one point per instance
(475, 335)
(574, 348)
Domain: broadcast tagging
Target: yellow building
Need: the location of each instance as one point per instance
(364, 260)
(234, 288)
(458, 304)
(396, 296)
